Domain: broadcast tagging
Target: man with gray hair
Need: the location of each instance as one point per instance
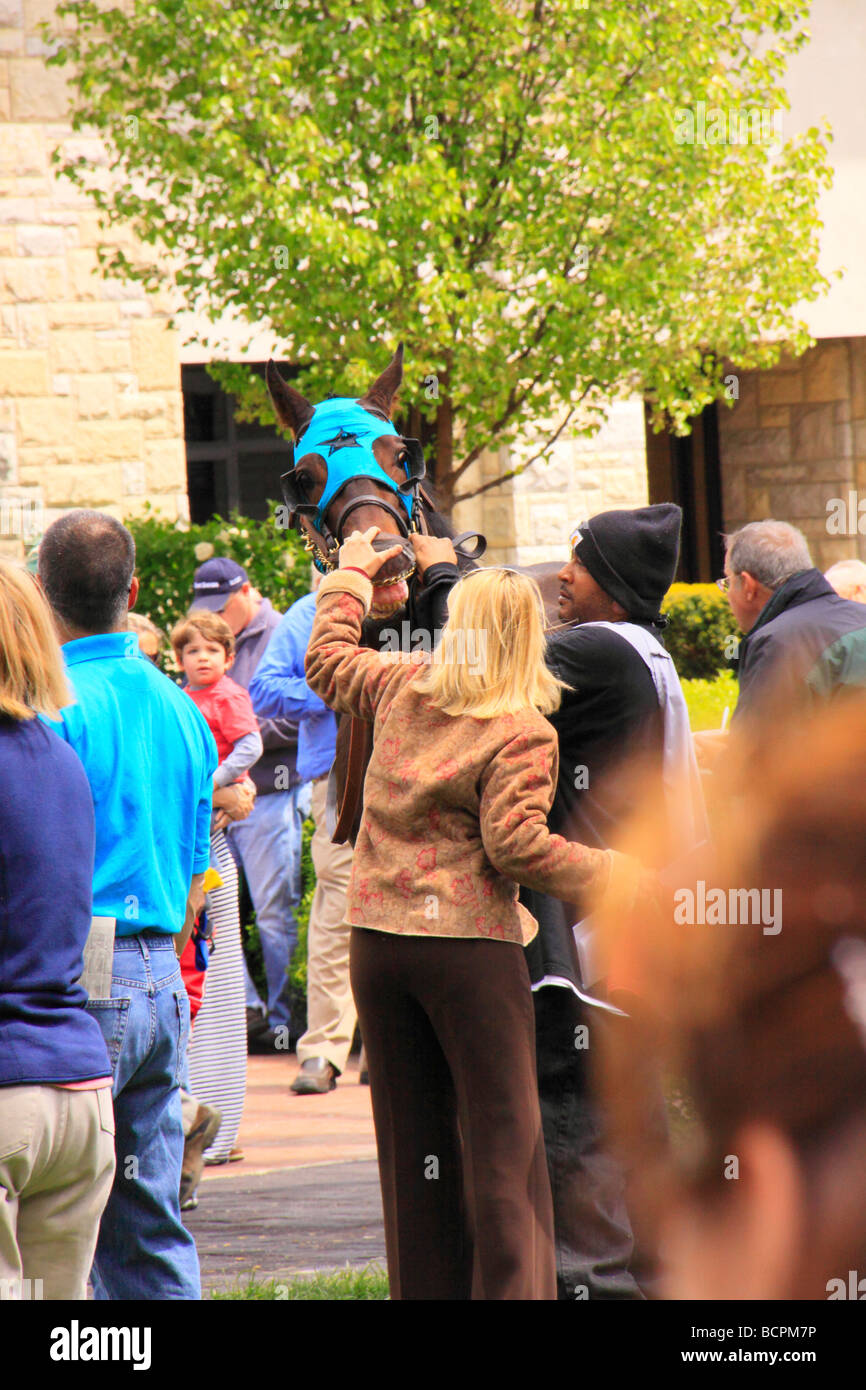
(803, 641)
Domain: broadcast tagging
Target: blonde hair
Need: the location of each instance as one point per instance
(490, 660)
(32, 680)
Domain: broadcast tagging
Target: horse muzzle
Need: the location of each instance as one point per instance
(391, 584)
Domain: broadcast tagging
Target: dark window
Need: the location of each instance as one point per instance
(232, 466)
(229, 466)
(686, 469)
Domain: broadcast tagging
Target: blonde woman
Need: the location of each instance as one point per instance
(56, 1118)
(455, 805)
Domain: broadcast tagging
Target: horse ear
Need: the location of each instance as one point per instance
(294, 411)
(381, 394)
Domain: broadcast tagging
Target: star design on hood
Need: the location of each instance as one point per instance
(343, 439)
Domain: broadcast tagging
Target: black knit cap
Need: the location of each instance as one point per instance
(633, 555)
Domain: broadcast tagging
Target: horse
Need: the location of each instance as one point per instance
(350, 463)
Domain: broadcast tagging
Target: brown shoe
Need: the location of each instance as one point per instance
(315, 1078)
(204, 1130)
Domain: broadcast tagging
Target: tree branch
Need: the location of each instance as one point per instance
(513, 472)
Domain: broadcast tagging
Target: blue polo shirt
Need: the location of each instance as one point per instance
(150, 758)
(279, 690)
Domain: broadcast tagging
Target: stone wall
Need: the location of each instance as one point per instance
(796, 439)
(527, 519)
(91, 411)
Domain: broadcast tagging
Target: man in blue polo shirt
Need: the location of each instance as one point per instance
(279, 690)
(150, 759)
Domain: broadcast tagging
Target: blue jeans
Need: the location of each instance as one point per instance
(144, 1251)
(267, 845)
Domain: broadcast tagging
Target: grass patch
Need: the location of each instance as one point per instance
(369, 1283)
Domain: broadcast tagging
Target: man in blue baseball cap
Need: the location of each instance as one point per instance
(215, 583)
(268, 843)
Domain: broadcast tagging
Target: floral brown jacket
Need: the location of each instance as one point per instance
(455, 807)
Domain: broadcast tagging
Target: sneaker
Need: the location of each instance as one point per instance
(205, 1128)
(234, 1156)
(259, 1044)
(316, 1077)
(257, 1022)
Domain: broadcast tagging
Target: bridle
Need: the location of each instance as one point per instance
(323, 540)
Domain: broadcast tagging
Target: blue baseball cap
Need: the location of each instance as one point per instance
(215, 581)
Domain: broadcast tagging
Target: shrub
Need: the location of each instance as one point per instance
(702, 633)
(168, 554)
(708, 700)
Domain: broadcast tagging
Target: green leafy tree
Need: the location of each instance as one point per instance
(550, 202)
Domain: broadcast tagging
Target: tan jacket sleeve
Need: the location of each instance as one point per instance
(349, 678)
(516, 794)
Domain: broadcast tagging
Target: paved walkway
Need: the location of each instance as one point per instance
(306, 1196)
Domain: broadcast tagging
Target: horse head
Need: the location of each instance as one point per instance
(352, 470)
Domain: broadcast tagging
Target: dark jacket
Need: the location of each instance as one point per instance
(608, 723)
(807, 644)
(279, 736)
(46, 896)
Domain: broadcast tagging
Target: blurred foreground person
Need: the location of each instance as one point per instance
(747, 982)
(56, 1118)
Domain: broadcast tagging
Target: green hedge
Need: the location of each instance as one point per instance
(168, 554)
(708, 700)
(702, 634)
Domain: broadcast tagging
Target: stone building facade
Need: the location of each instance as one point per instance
(527, 519)
(795, 443)
(91, 412)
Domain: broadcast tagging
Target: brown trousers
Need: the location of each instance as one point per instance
(449, 1030)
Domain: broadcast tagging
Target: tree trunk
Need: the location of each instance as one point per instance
(444, 454)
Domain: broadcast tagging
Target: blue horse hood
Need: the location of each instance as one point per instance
(342, 433)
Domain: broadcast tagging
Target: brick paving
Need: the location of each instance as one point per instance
(306, 1195)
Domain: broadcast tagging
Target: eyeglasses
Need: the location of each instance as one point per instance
(724, 584)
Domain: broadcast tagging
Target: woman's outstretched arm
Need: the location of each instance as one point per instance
(516, 795)
(349, 678)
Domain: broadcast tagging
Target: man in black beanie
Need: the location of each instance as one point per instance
(624, 710)
(610, 721)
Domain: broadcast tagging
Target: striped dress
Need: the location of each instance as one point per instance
(218, 1048)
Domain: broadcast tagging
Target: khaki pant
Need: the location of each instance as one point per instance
(56, 1171)
(331, 1013)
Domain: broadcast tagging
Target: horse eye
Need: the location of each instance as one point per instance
(303, 481)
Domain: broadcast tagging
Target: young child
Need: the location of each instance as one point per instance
(204, 648)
